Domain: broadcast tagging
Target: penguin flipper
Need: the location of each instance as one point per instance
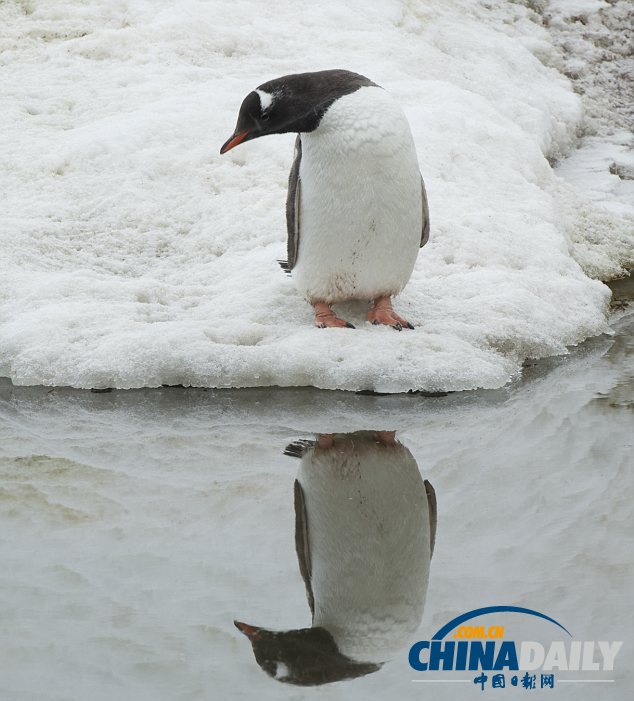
(302, 546)
(433, 515)
(292, 209)
(425, 233)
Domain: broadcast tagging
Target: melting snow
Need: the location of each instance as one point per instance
(132, 254)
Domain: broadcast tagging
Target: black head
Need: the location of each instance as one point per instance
(292, 103)
(305, 657)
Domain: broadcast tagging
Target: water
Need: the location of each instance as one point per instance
(138, 525)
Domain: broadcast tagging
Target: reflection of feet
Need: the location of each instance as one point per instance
(381, 312)
(326, 440)
(385, 437)
(325, 318)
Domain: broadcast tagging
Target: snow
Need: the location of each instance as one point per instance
(134, 255)
(595, 40)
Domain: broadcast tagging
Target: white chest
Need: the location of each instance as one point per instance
(368, 530)
(360, 200)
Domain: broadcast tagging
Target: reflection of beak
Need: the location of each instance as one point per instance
(233, 141)
(251, 632)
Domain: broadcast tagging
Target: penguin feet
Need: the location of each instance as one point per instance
(326, 440)
(385, 437)
(325, 318)
(381, 312)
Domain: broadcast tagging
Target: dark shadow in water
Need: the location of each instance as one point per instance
(365, 527)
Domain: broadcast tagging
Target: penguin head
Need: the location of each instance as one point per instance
(304, 657)
(292, 103)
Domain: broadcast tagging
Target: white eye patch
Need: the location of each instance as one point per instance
(281, 670)
(266, 99)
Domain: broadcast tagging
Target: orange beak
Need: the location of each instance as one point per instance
(233, 141)
(251, 632)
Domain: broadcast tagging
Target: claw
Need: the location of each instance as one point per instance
(382, 313)
(325, 318)
(332, 322)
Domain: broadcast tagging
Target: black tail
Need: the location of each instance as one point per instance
(285, 266)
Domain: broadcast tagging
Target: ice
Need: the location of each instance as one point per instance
(133, 255)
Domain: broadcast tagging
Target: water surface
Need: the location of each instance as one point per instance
(137, 525)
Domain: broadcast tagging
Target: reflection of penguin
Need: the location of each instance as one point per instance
(365, 525)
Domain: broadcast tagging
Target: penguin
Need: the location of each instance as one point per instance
(365, 527)
(356, 209)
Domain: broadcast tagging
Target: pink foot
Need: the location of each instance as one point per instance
(381, 312)
(325, 318)
(326, 440)
(385, 437)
